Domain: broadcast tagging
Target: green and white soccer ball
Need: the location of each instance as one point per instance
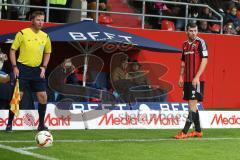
(44, 139)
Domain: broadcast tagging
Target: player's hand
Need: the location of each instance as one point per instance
(195, 81)
(42, 74)
(180, 82)
(15, 72)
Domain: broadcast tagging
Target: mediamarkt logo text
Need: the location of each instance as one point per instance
(28, 120)
(144, 119)
(221, 120)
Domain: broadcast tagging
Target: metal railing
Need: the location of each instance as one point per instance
(186, 18)
(143, 15)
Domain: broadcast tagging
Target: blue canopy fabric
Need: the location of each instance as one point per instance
(90, 31)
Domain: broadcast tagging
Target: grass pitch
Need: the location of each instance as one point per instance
(217, 144)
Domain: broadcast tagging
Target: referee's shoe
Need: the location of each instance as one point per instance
(9, 128)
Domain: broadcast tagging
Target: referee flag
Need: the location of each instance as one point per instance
(14, 104)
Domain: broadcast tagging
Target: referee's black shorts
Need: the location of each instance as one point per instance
(193, 93)
(29, 78)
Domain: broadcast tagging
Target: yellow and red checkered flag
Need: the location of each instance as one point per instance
(14, 104)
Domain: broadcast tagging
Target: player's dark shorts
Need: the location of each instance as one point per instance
(193, 93)
(29, 78)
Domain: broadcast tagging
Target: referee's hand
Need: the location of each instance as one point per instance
(42, 74)
(15, 72)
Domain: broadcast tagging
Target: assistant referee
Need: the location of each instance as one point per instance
(34, 48)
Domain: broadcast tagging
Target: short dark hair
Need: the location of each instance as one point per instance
(36, 13)
(191, 25)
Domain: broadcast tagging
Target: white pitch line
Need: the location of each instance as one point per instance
(128, 140)
(29, 148)
(23, 152)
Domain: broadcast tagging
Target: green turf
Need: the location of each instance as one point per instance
(128, 150)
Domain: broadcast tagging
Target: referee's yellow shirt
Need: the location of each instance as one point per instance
(32, 46)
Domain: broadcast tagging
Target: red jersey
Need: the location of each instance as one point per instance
(192, 55)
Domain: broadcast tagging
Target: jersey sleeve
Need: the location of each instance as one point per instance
(48, 46)
(203, 49)
(17, 41)
(183, 56)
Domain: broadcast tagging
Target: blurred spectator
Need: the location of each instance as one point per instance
(120, 79)
(141, 88)
(17, 13)
(72, 79)
(4, 78)
(237, 3)
(5, 86)
(229, 28)
(227, 6)
(206, 13)
(59, 15)
(137, 75)
(217, 5)
(36, 3)
(194, 11)
(177, 10)
(92, 5)
(203, 27)
(155, 8)
(232, 16)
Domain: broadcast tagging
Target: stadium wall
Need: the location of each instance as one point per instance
(222, 71)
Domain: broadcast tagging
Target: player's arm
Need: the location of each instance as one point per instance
(182, 68)
(201, 68)
(204, 55)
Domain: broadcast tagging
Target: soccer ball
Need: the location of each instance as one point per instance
(44, 139)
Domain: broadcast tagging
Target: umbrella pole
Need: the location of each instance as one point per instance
(85, 67)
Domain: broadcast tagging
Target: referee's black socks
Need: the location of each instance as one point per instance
(41, 113)
(10, 117)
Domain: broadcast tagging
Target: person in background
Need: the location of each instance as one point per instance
(203, 27)
(229, 28)
(92, 5)
(120, 79)
(4, 78)
(5, 85)
(142, 85)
